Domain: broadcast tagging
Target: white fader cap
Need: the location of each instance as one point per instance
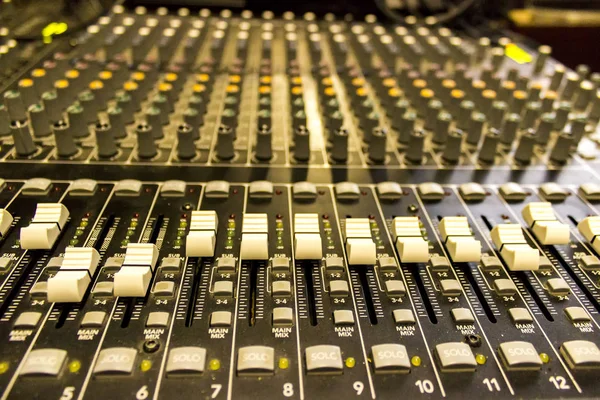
(360, 247)
(459, 241)
(590, 229)
(45, 227)
(74, 276)
(202, 237)
(411, 246)
(542, 221)
(6, 221)
(133, 279)
(513, 247)
(307, 237)
(255, 237)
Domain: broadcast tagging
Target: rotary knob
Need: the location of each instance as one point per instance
(263, 150)
(146, 147)
(224, 148)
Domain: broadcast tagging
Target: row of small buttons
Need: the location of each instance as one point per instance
(517, 356)
(431, 191)
(320, 359)
(283, 316)
(278, 289)
(472, 191)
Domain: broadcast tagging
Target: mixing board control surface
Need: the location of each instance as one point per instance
(228, 207)
(234, 290)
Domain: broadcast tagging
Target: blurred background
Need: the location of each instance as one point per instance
(571, 27)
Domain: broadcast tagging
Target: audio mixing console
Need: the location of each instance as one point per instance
(224, 206)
